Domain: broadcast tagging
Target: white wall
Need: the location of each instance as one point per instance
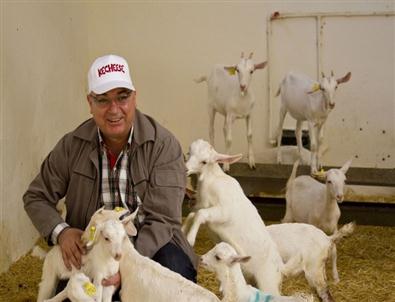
(47, 49)
(44, 51)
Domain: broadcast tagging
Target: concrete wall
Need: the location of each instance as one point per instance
(47, 48)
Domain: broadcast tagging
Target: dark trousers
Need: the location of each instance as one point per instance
(169, 256)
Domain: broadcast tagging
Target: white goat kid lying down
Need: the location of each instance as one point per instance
(309, 201)
(314, 247)
(221, 204)
(230, 94)
(79, 289)
(102, 261)
(144, 280)
(225, 262)
(307, 100)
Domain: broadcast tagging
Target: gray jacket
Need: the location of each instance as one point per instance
(72, 170)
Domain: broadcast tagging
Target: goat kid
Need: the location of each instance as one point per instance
(225, 262)
(79, 289)
(314, 247)
(230, 94)
(146, 280)
(102, 260)
(221, 204)
(310, 201)
(311, 101)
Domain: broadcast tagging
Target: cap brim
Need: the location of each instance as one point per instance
(112, 85)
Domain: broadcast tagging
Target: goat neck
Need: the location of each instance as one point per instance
(211, 170)
(233, 283)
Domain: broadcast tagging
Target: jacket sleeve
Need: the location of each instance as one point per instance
(47, 188)
(162, 203)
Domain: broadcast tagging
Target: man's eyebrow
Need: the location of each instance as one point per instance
(124, 90)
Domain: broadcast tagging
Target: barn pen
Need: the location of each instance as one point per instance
(46, 48)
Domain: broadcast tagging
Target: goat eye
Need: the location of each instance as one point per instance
(218, 258)
(106, 238)
(251, 72)
(204, 162)
(329, 181)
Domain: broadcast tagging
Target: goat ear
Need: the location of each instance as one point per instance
(230, 69)
(224, 158)
(240, 259)
(346, 166)
(260, 65)
(314, 88)
(128, 224)
(90, 235)
(344, 79)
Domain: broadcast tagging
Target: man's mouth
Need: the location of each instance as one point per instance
(114, 120)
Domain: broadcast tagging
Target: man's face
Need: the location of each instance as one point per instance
(113, 112)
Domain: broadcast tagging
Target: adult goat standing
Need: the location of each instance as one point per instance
(230, 94)
(307, 100)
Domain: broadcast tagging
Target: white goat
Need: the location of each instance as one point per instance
(101, 261)
(146, 280)
(225, 262)
(221, 204)
(79, 289)
(309, 201)
(307, 100)
(230, 94)
(314, 247)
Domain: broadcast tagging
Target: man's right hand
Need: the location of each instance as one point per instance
(71, 246)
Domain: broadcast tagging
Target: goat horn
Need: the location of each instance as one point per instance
(322, 74)
(332, 74)
(242, 55)
(250, 56)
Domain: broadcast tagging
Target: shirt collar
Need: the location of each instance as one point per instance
(101, 140)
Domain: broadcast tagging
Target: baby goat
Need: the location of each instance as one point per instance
(225, 262)
(78, 289)
(314, 247)
(146, 280)
(221, 204)
(312, 202)
(102, 261)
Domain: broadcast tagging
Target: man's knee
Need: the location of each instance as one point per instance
(176, 260)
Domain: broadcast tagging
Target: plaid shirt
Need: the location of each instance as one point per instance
(116, 181)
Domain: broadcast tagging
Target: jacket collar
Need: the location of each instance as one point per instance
(143, 130)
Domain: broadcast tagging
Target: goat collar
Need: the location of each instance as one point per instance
(260, 297)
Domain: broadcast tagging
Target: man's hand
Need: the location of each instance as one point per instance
(113, 280)
(71, 246)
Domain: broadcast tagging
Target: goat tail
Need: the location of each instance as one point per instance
(293, 173)
(201, 79)
(344, 231)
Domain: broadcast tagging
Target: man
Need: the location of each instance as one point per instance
(120, 157)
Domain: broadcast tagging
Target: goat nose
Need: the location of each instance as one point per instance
(339, 197)
(118, 256)
(242, 87)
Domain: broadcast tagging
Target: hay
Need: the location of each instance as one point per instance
(366, 264)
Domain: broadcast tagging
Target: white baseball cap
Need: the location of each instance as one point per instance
(109, 72)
